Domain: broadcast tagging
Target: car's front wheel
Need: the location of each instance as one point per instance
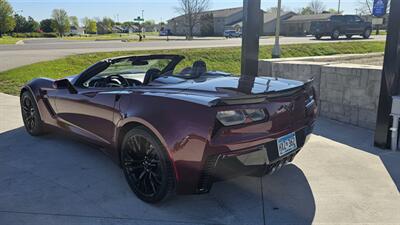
(30, 115)
(147, 166)
(349, 36)
(318, 36)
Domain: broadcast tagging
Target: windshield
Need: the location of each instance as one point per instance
(130, 69)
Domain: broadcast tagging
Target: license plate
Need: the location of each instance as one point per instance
(287, 144)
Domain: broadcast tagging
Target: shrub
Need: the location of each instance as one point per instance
(34, 35)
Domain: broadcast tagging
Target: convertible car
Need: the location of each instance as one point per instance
(175, 129)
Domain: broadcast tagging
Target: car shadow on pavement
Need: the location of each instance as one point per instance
(58, 179)
(361, 139)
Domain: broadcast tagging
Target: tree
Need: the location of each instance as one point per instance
(334, 11)
(73, 20)
(105, 26)
(20, 23)
(306, 11)
(85, 21)
(149, 25)
(317, 6)
(92, 27)
(46, 25)
(274, 10)
(192, 11)
(60, 21)
(32, 25)
(7, 22)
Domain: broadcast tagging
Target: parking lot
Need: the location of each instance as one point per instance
(338, 178)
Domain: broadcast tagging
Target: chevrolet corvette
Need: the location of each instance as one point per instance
(175, 129)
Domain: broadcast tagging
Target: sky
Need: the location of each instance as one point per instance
(158, 10)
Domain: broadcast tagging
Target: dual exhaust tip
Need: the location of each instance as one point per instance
(275, 167)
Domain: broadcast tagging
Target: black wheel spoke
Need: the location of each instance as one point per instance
(153, 187)
(25, 109)
(156, 179)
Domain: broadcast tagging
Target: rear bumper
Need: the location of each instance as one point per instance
(258, 161)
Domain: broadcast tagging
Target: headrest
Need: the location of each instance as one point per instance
(199, 68)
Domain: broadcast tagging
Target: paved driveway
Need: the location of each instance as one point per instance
(38, 50)
(338, 178)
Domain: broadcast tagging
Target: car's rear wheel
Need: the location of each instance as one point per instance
(30, 115)
(147, 166)
(335, 34)
(348, 36)
(318, 37)
(367, 33)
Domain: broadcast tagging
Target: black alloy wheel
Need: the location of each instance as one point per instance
(30, 115)
(349, 36)
(318, 37)
(147, 166)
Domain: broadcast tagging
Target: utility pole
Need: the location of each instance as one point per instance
(142, 21)
(338, 9)
(390, 84)
(251, 38)
(276, 51)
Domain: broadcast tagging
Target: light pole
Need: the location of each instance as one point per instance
(276, 51)
(338, 9)
(142, 21)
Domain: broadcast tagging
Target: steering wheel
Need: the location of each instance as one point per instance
(117, 80)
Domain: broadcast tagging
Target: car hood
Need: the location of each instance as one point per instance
(226, 90)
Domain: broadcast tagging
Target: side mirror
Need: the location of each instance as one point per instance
(65, 84)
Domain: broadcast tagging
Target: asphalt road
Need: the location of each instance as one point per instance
(338, 178)
(32, 51)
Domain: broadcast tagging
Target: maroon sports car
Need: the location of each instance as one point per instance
(174, 129)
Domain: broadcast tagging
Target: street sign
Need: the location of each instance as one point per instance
(379, 8)
(377, 21)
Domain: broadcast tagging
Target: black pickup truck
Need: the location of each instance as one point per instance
(338, 25)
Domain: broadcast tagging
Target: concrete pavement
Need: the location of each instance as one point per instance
(338, 178)
(37, 50)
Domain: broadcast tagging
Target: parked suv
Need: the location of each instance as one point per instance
(338, 25)
(232, 33)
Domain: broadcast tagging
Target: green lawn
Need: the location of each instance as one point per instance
(7, 40)
(225, 59)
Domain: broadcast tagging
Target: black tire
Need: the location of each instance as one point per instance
(31, 116)
(318, 37)
(335, 34)
(147, 166)
(349, 36)
(367, 33)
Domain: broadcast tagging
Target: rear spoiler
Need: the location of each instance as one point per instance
(259, 98)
